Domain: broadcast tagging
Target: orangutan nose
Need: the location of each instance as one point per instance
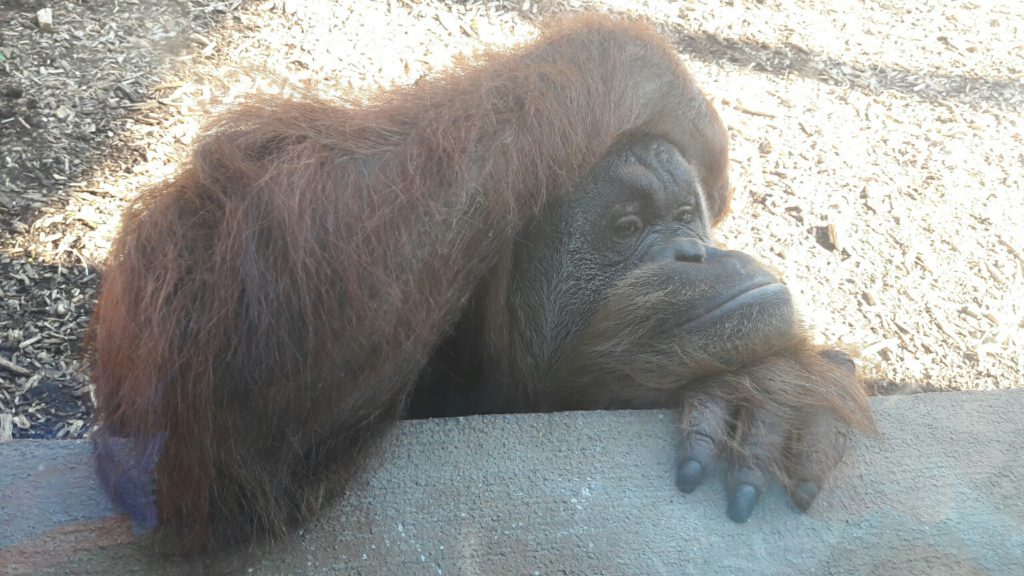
(679, 250)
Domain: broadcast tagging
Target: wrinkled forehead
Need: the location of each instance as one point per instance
(648, 174)
(647, 170)
(658, 173)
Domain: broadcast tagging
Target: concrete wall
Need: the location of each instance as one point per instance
(585, 493)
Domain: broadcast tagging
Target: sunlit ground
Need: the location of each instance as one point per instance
(896, 129)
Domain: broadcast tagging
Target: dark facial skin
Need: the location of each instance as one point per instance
(621, 299)
(635, 243)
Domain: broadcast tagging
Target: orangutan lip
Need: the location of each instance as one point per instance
(747, 295)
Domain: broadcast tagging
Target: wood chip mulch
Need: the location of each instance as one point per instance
(877, 155)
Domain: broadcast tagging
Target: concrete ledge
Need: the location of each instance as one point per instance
(585, 493)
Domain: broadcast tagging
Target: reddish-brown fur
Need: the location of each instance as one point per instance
(266, 313)
(270, 307)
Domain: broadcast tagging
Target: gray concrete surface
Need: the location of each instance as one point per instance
(585, 493)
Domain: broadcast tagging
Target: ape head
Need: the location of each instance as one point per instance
(622, 271)
(630, 263)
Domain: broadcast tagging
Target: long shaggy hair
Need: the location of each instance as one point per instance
(264, 314)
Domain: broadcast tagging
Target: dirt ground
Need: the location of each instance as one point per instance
(877, 155)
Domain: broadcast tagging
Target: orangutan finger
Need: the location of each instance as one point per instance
(760, 438)
(705, 425)
(814, 452)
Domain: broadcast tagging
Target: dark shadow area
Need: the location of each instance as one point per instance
(929, 86)
(72, 80)
(69, 92)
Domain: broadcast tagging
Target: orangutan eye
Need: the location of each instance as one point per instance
(684, 215)
(627, 227)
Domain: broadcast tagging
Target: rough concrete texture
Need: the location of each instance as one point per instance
(586, 493)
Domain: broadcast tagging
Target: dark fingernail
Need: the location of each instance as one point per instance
(689, 475)
(742, 502)
(804, 494)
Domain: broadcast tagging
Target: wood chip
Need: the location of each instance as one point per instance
(887, 344)
(13, 368)
(869, 297)
(6, 426)
(44, 18)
